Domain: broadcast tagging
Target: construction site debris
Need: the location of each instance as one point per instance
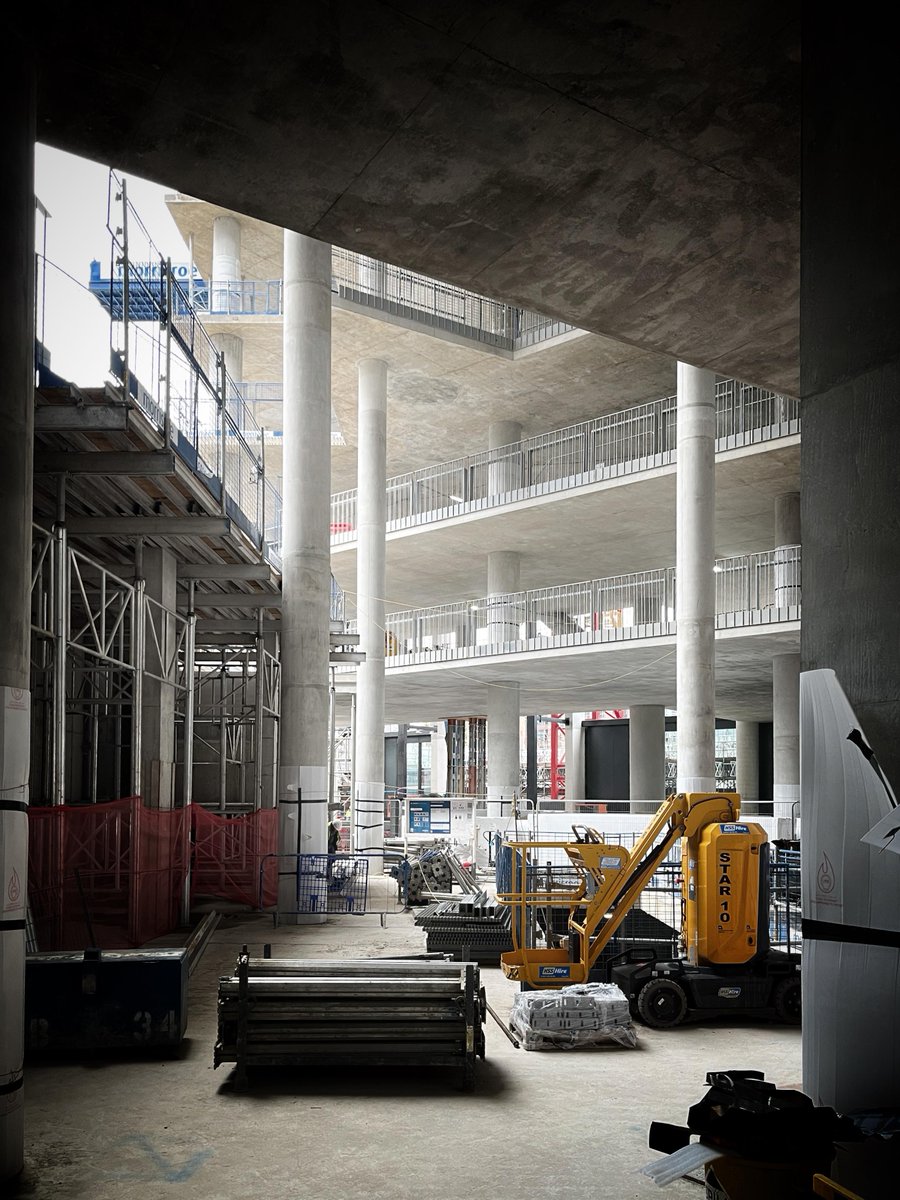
(586, 1014)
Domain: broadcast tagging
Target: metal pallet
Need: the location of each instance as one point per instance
(301, 1012)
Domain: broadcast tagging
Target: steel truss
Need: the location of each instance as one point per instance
(237, 691)
(97, 640)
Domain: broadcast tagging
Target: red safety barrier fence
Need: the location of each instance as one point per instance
(228, 852)
(111, 874)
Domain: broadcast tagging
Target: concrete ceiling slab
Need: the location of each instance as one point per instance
(585, 678)
(443, 393)
(629, 167)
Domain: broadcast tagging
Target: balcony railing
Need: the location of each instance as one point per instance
(619, 443)
(388, 289)
(751, 589)
(169, 366)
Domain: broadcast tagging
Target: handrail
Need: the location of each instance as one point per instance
(169, 366)
(751, 590)
(619, 443)
(386, 288)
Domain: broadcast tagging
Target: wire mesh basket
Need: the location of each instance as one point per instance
(332, 883)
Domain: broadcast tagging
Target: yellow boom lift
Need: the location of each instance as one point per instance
(728, 964)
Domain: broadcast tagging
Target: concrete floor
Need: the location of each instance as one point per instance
(546, 1126)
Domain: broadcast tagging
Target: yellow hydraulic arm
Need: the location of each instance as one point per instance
(610, 879)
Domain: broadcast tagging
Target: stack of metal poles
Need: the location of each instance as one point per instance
(304, 1012)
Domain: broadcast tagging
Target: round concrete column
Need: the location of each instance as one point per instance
(786, 739)
(232, 347)
(747, 765)
(575, 756)
(368, 804)
(646, 757)
(439, 759)
(695, 603)
(503, 613)
(226, 263)
(17, 416)
(306, 561)
(504, 470)
(502, 747)
(787, 538)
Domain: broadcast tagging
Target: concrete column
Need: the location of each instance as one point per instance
(439, 758)
(695, 604)
(232, 347)
(850, 379)
(504, 472)
(368, 800)
(158, 699)
(786, 738)
(646, 757)
(306, 560)
(502, 747)
(747, 765)
(226, 261)
(502, 579)
(16, 420)
(787, 536)
(575, 757)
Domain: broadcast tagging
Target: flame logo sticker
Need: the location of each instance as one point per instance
(825, 876)
(14, 887)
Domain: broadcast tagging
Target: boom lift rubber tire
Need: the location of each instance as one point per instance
(662, 1003)
(786, 1000)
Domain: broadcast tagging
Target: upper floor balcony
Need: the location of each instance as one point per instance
(618, 444)
(387, 290)
(761, 589)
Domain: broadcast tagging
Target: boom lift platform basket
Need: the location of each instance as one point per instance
(729, 963)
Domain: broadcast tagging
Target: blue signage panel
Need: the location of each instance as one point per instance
(429, 816)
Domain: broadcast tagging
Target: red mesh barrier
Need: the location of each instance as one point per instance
(124, 863)
(228, 853)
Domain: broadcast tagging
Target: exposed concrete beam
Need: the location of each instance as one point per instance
(217, 571)
(58, 418)
(235, 600)
(105, 462)
(149, 526)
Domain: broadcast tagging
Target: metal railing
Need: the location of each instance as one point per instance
(168, 365)
(751, 589)
(619, 443)
(393, 290)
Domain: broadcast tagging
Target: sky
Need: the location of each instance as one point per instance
(74, 191)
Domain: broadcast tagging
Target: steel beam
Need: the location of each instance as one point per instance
(224, 639)
(188, 526)
(234, 625)
(105, 462)
(252, 600)
(59, 418)
(226, 571)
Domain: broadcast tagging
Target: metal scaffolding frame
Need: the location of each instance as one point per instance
(96, 640)
(236, 708)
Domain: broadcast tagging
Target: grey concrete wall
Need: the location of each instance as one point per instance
(850, 480)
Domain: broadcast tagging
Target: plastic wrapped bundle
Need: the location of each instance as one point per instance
(585, 1014)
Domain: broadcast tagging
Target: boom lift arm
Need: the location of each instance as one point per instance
(610, 879)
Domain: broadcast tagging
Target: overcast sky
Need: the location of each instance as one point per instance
(74, 191)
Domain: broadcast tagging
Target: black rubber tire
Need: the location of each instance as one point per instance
(662, 1003)
(786, 1000)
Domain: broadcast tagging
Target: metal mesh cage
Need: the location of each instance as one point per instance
(332, 883)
